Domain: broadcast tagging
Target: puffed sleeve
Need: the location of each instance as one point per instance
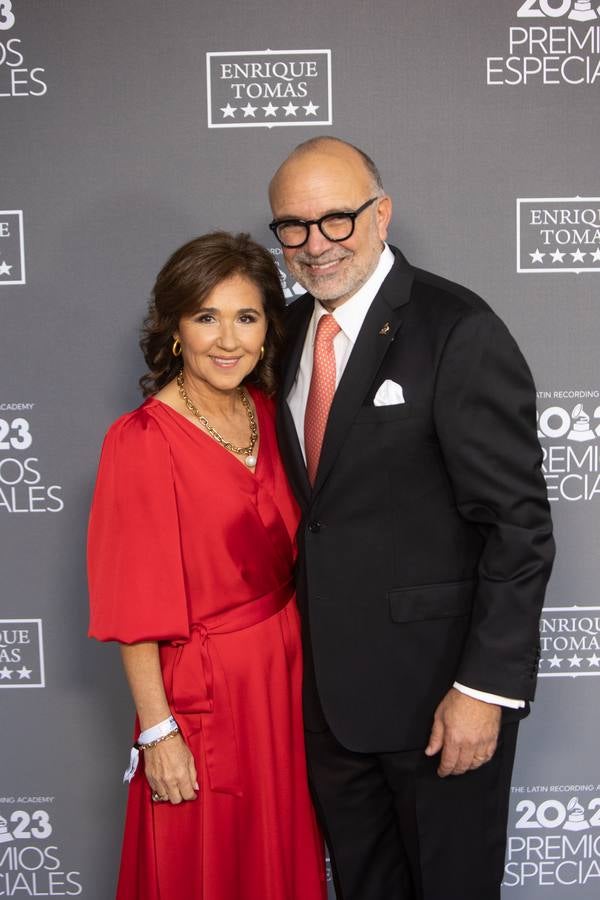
(135, 574)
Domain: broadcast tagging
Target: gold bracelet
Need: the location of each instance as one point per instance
(159, 740)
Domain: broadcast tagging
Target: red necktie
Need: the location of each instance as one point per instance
(320, 394)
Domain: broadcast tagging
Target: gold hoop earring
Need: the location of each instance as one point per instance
(261, 355)
(176, 348)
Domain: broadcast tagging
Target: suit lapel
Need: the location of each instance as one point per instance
(296, 326)
(379, 329)
(367, 355)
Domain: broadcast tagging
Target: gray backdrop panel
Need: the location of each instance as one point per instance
(107, 152)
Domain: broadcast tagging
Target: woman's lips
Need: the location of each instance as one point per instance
(226, 362)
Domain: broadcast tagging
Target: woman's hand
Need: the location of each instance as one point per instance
(171, 771)
(169, 765)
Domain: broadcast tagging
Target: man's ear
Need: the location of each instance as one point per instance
(384, 216)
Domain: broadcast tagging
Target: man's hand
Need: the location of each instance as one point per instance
(466, 731)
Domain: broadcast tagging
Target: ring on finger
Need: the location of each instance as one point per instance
(157, 797)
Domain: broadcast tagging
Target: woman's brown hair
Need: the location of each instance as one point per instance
(183, 284)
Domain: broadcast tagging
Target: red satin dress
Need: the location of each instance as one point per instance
(189, 548)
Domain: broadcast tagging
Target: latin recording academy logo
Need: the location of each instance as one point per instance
(570, 642)
(30, 858)
(21, 654)
(569, 433)
(558, 234)
(22, 487)
(557, 42)
(18, 78)
(12, 247)
(554, 838)
(251, 89)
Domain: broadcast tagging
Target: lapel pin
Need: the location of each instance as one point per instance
(385, 330)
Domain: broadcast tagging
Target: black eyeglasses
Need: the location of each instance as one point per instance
(335, 226)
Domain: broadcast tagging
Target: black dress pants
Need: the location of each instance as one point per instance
(397, 831)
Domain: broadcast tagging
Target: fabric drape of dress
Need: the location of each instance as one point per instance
(189, 548)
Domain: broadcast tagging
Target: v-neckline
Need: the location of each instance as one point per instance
(196, 429)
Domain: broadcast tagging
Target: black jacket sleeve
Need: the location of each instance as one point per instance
(484, 412)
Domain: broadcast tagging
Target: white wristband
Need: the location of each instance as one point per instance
(146, 737)
(157, 731)
(131, 769)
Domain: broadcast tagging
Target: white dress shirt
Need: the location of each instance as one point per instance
(350, 317)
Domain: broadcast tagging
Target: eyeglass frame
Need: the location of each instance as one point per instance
(352, 215)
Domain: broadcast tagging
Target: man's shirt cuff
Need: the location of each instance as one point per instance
(489, 698)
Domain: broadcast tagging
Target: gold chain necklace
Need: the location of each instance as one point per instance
(247, 452)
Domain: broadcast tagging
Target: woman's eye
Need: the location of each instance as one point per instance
(247, 318)
(205, 317)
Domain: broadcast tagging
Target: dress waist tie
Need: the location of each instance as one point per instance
(203, 689)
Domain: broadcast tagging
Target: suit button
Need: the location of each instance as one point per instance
(314, 527)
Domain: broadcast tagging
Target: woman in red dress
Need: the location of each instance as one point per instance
(191, 551)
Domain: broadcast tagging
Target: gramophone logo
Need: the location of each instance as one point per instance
(576, 820)
(291, 288)
(12, 247)
(575, 10)
(558, 234)
(268, 89)
(5, 835)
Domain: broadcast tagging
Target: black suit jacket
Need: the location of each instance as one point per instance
(426, 543)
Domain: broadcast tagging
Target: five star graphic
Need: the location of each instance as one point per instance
(5, 268)
(558, 256)
(5, 673)
(24, 673)
(574, 661)
(249, 111)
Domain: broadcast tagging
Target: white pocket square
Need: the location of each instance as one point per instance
(389, 394)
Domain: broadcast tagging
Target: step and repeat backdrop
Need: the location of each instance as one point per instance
(128, 128)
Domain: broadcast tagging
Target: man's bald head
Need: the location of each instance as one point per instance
(333, 146)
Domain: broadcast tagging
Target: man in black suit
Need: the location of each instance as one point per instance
(407, 424)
